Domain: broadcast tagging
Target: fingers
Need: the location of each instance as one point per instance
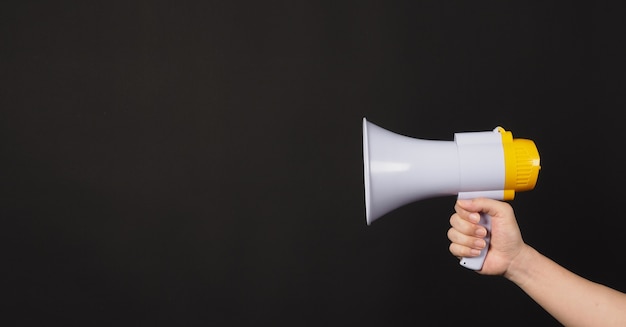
(463, 245)
(489, 206)
(467, 223)
(463, 251)
(465, 235)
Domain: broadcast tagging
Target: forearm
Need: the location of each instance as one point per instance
(571, 299)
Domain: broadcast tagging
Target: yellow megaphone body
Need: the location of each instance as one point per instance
(399, 170)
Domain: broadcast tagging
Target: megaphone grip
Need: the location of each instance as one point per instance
(476, 263)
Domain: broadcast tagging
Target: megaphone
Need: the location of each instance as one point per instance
(399, 170)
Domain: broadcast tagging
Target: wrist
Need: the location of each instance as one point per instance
(519, 268)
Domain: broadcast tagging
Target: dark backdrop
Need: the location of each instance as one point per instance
(181, 163)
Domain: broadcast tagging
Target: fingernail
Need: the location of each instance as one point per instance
(474, 252)
(480, 243)
(474, 217)
(481, 232)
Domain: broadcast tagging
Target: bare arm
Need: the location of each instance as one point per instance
(568, 297)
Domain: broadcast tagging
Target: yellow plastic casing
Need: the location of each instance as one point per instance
(521, 164)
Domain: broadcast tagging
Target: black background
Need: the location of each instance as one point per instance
(181, 163)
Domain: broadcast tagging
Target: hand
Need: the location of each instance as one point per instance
(466, 235)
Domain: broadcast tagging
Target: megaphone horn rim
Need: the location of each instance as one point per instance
(366, 172)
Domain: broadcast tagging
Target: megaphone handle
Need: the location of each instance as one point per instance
(476, 263)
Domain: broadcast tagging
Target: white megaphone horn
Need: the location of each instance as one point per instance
(399, 170)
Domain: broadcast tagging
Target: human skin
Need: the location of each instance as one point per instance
(570, 298)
